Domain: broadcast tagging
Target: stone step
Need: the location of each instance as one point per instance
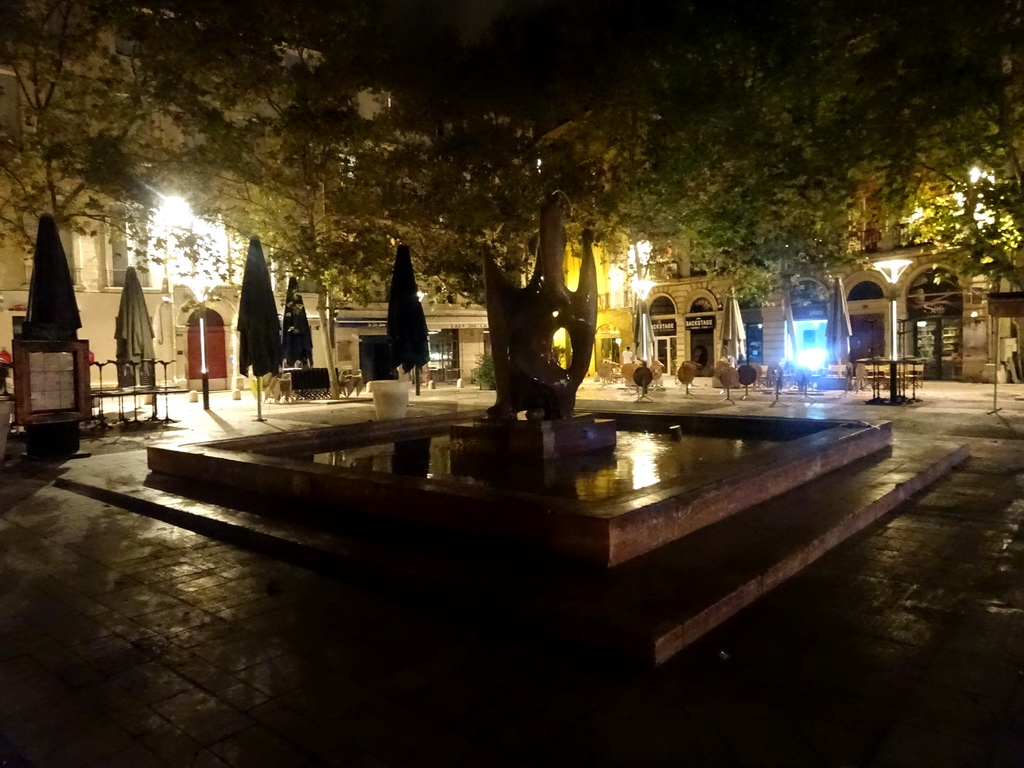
(647, 609)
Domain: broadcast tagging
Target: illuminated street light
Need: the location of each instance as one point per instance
(643, 332)
(195, 266)
(642, 288)
(892, 269)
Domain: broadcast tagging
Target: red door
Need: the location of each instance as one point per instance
(216, 346)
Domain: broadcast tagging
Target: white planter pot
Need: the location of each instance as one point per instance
(6, 409)
(390, 399)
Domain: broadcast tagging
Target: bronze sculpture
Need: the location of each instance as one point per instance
(523, 321)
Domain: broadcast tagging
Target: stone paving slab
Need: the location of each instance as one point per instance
(902, 647)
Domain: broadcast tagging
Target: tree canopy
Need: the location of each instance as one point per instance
(754, 138)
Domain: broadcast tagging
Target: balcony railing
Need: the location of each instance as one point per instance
(874, 240)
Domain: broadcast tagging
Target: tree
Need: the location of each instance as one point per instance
(88, 130)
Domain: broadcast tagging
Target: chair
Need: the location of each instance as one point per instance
(729, 378)
(284, 388)
(916, 374)
(627, 370)
(687, 373)
(860, 377)
(657, 371)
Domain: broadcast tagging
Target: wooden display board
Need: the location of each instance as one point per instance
(51, 381)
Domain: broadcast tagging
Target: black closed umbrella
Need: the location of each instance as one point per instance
(407, 327)
(296, 338)
(259, 331)
(52, 316)
(52, 310)
(133, 331)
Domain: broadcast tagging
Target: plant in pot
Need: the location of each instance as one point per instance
(485, 377)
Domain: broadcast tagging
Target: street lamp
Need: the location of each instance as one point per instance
(640, 257)
(892, 269)
(174, 223)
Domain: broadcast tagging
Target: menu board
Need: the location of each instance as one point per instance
(53, 382)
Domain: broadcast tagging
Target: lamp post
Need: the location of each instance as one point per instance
(891, 270)
(640, 258)
(644, 340)
(195, 244)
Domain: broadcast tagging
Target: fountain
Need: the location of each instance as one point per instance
(529, 495)
(529, 378)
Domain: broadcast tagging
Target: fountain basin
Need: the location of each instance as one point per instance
(607, 531)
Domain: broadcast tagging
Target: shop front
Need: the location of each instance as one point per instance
(663, 322)
(935, 316)
(701, 342)
(810, 321)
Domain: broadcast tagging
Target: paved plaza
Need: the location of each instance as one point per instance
(126, 641)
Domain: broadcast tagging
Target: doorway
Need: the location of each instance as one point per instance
(868, 339)
(216, 349)
(935, 313)
(701, 345)
(937, 342)
(666, 352)
(375, 358)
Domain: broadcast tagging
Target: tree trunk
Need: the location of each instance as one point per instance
(323, 308)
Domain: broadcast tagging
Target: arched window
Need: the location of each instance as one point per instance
(663, 305)
(866, 290)
(701, 304)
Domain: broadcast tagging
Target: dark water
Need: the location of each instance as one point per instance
(640, 459)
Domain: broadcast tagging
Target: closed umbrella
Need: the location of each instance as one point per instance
(296, 338)
(259, 331)
(133, 331)
(734, 333)
(52, 316)
(838, 329)
(789, 322)
(407, 327)
(52, 310)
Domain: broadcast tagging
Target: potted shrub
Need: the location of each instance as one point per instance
(485, 372)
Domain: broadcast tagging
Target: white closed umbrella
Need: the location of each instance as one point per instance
(734, 333)
(838, 329)
(789, 322)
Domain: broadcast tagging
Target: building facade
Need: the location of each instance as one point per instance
(943, 320)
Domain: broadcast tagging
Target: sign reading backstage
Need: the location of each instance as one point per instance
(703, 323)
(666, 327)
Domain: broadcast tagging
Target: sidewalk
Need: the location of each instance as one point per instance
(127, 642)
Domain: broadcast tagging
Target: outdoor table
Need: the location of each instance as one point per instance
(897, 380)
(101, 393)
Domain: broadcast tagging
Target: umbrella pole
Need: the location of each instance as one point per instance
(417, 381)
(259, 399)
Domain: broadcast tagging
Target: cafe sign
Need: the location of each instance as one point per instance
(700, 323)
(664, 327)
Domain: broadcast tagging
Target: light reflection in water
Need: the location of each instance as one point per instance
(640, 459)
